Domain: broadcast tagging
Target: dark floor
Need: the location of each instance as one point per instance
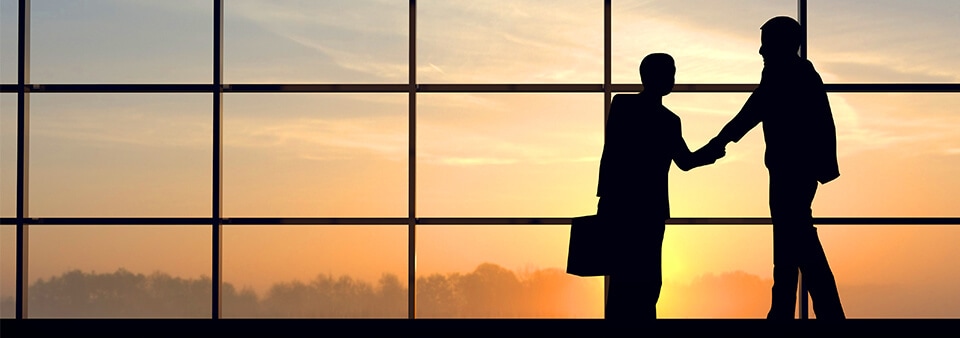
(477, 327)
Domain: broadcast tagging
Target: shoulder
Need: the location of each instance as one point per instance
(625, 98)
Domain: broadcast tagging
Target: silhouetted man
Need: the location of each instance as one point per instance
(642, 138)
(801, 150)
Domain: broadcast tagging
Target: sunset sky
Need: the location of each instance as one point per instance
(478, 155)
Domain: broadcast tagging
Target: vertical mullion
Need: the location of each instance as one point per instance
(802, 18)
(217, 189)
(412, 167)
(23, 157)
(607, 94)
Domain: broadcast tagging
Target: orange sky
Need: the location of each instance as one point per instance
(478, 155)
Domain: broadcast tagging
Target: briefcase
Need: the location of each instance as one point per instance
(590, 247)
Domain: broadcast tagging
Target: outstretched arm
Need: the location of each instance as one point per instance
(686, 160)
(748, 117)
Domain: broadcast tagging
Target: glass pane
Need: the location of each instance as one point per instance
(892, 41)
(104, 41)
(119, 272)
(712, 271)
(734, 186)
(8, 271)
(501, 272)
(8, 155)
(9, 45)
(710, 41)
(135, 155)
(330, 155)
(899, 156)
(503, 155)
(895, 271)
(509, 42)
(363, 41)
(315, 271)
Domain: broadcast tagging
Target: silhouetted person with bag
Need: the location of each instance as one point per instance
(801, 141)
(642, 138)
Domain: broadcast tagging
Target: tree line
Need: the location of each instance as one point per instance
(488, 291)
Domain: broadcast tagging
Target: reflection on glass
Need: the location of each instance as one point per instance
(329, 155)
(9, 31)
(896, 41)
(8, 155)
(504, 155)
(136, 155)
(8, 271)
(315, 271)
(513, 42)
(501, 272)
(711, 41)
(103, 41)
(315, 41)
(119, 272)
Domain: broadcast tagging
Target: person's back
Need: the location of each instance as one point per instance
(637, 151)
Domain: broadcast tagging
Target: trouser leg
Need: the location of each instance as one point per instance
(796, 246)
(785, 272)
(635, 288)
(820, 280)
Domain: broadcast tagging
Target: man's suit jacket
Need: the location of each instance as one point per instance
(642, 138)
(798, 126)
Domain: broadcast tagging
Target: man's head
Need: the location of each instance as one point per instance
(657, 73)
(780, 37)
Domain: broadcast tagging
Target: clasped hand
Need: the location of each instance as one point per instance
(713, 150)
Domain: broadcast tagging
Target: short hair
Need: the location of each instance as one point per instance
(785, 31)
(654, 64)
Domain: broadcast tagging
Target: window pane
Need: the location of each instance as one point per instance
(135, 155)
(734, 186)
(710, 41)
(330, 155)
(509, 42)
(895, 271)
(315, 271)
(119, 271)
(8, 155)
(102, 41)
(899, 156)
(316, 41)
(896, 41)
(501, 272)
(9, 45)
(503, 155)
(8, 271)
(712, 271)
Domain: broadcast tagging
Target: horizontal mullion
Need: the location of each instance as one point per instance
(112, 221)
(511, 88)
(464, 88)
(690, 87)
(121, 88)
(893, 87)
(457, 221)
(316, 221)
(317, 88)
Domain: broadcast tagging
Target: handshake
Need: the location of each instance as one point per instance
(711, 152)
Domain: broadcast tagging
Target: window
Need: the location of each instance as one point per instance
(384, 158)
